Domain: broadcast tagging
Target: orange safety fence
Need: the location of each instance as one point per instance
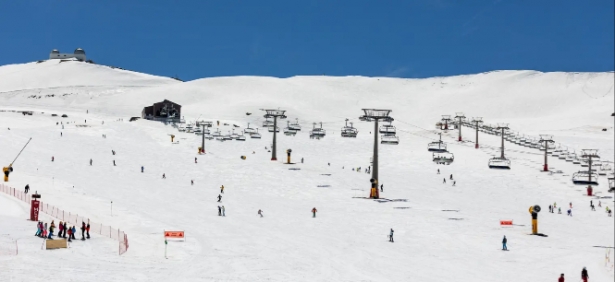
(72, 218)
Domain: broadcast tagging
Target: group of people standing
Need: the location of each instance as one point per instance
(47, 231)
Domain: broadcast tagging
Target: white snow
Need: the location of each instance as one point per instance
(348, 239)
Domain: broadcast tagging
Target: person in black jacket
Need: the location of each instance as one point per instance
(584, 274)
(64, 227)
(82, 231)
(87, 230)
(504, 241)
(27, 188)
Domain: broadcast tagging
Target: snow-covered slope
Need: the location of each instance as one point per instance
(442, 232)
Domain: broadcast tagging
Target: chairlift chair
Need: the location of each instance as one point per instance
(295, 126)
(241, 137)
(249, 130)
(317, 132)
(605, 169)
(389, 139)
(277, 129)
(349, 131)
(583, 178)
(443, 158)
(217, 133)
(571, 156)
(268, 123)
(234, 135)
(255, 135)
(209, 137)
(388, 129)
(499, 163)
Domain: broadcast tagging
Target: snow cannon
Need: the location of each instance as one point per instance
(374, 192)
(7, 170)
(172, 137)
(288, 155)
(534, 210)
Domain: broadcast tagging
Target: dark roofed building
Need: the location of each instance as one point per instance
(163, 111)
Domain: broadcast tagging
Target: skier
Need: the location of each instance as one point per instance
(584, 274)
(438, 171)
(260, 212)
(570, 204)
(142, 168)
(45, 230)
(301, 160)
(561, 278)
(65, 228)
(52, 227)
(87, 230)
(219, 211)
(444, 180)
(219, 198)
(60, 229)
(192, 182)
(74, 230)
(223, 211)
(329, 164)
(113, 152)
(70, 234)
(38, 229)
(90, 161)
(222, 189)
(569, 212)
(593, 207)
(27, 188)
(60, 133)
(391, 236)
(451, 177)
(164, 176)
(314, 212)
(52, 158)
(599, 204)
(504, 241)
(82, 231)
(550, 209)
(113, 162)
(454, 182)
(559, 210)
(381, 187)
(195, 160)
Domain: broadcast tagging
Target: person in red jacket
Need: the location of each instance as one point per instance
(314, 212)
(584, 274)
(70, 234)
(561, 278)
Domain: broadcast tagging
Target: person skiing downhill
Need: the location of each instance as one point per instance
(27, 188)
(451, 177)
(504, 241)
(52, 158)
(195, 160)
(584, 274)
(561, 278)
(90, 161)
(219, 198)
(219, 211)
(438, 171)
(391, 236)
(223, 211)
(142, 169)
(314, 212)
(164, 176)
(260, 212)
(444, 180)
(222, 189)
(192, 182)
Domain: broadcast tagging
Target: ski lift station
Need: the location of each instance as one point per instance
(166, 111)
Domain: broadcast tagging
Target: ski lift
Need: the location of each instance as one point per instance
(208, 136)
(499, 163)
(605, 168)
(241, 137)
(550, 147)
(349, 131)
(576, 161)
(255, 135)
(227, 137)
(437, 146)
(249, 130)
(268, 123)
(234, 135)
(571, 156)
(443, 158)
(317, 132)
(388, 129)
(277, 129)
(217, 133)
(295, 126)
(585, 177)
(389, 139)
(288, 130)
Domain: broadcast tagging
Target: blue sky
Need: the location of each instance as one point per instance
(195, 39)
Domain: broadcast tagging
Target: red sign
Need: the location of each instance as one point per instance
(174, 234)
(506, 222)
(34, 208)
